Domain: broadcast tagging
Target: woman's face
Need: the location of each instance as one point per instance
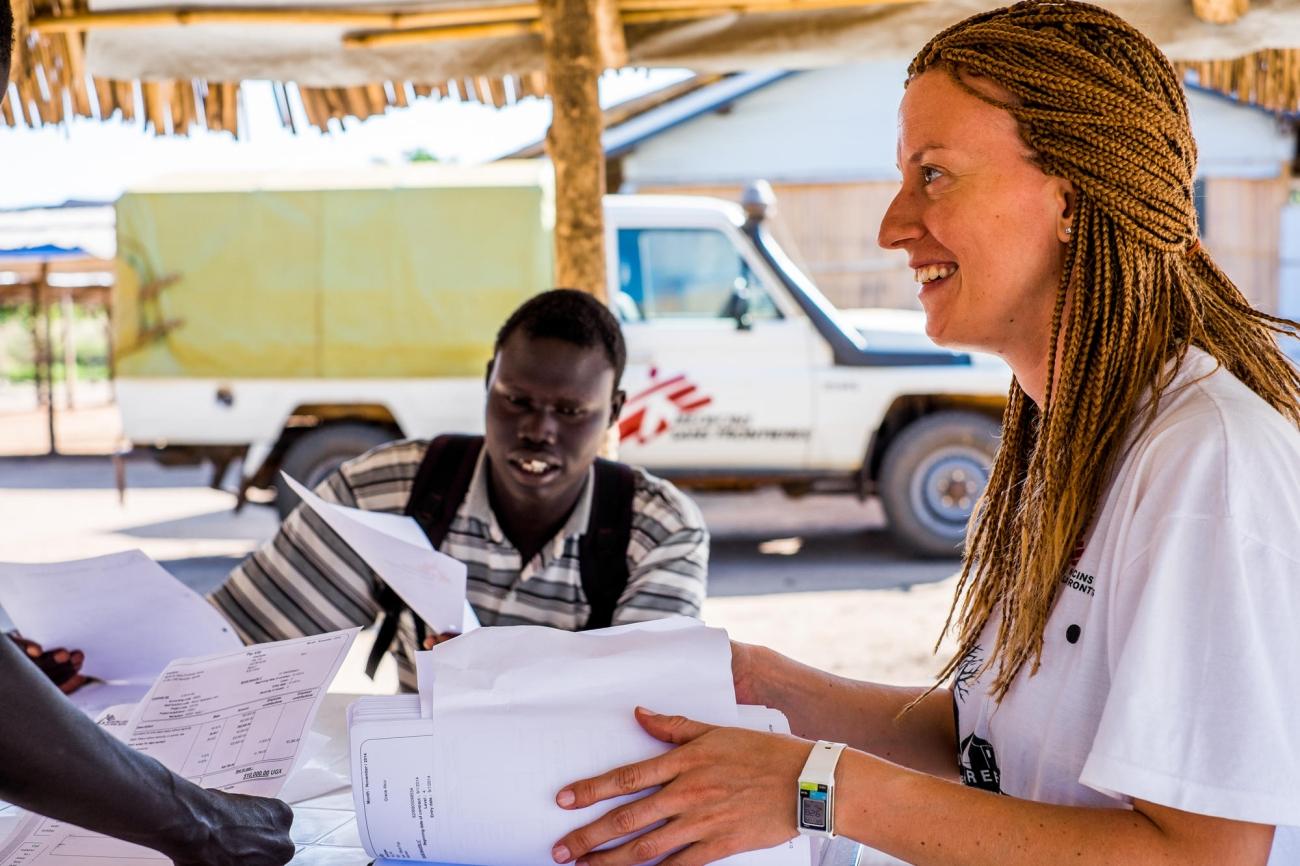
(983, 226)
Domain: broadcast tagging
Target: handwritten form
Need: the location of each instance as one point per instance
(235, 721)
(431, 583)
(95, 605)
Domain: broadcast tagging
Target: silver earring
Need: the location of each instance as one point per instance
(1069, 231)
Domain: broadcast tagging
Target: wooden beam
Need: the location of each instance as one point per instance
(467, 16)
(422, 36)
(688, 10)
(1220, 11)
(627, 6)
(630, 12)
(578, 48)
(129, 19)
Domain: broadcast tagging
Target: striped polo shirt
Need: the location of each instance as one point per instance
(306, 580)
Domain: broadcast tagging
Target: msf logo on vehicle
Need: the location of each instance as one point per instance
(650, 412)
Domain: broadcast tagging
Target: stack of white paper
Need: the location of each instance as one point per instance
(467, 772)
(124, 611)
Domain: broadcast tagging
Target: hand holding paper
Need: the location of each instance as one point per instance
(507, 716)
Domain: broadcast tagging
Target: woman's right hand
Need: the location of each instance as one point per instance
(238, 831)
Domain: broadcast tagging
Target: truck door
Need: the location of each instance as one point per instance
(719, 366)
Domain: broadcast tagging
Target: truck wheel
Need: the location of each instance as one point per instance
(318, 453)
(933, 472)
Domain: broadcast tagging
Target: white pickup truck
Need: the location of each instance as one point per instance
(740, 374)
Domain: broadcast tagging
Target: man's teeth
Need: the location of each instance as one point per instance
(930, 273)
(537, 467)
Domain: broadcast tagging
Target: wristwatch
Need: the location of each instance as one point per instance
(816, 804)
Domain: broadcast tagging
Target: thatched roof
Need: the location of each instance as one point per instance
(175, 69)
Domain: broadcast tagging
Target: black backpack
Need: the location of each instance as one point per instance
(440, 486)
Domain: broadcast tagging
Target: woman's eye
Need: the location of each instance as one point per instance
(929, 174)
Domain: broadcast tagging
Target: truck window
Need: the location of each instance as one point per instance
(685, 273)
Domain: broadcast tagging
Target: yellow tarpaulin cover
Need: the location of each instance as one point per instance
(394, 273)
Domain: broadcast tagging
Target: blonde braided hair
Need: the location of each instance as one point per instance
(1099, 105)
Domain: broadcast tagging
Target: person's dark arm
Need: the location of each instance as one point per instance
(56, 762)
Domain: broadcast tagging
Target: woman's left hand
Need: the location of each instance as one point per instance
(724, 790)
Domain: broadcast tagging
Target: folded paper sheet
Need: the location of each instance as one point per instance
(432, 584)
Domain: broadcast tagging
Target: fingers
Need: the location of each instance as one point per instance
(73, 683)
(676, 839)
(623, 821)
(30, 648)
(624, 780)
(644, 848)
(677, 730)
(430, 641)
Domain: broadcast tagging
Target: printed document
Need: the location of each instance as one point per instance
(237, 721)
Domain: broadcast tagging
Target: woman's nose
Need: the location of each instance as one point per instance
(900, 224)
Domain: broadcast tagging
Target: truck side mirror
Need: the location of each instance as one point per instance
(738, 306)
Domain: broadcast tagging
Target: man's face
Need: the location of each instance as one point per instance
(549, 406)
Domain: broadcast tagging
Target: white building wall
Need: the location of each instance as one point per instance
(824, 125)
(839, 124)
(1237, 141)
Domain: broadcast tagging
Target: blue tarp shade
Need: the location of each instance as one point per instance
(45, 252)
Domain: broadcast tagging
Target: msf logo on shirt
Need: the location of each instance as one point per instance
(650, 412)
(979, 765)
(975, 756)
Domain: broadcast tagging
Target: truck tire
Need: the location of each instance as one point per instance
(933, 472)
(316, 454)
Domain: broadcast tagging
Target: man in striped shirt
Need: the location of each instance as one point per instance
(553, 394)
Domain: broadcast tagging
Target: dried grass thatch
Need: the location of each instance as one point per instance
(50, 85)
(1269, 79)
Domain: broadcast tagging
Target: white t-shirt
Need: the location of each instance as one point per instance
(1171, 660)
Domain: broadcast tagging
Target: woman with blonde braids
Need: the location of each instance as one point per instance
(1128, 685)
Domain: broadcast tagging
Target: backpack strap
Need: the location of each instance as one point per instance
(440, 486)
(603, 548)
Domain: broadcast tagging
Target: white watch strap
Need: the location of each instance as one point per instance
(815, 813)
(820, 766)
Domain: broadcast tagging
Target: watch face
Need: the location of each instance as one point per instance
(812, 806)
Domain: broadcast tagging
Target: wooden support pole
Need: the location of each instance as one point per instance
(66, 308)
(1220, 11)
(112, 347)
(581, 39)
(45, 350)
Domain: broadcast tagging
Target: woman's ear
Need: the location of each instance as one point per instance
(1066, 208)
